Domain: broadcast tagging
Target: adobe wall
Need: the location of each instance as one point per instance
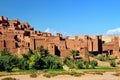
(19, 37)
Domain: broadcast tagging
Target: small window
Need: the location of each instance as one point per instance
(28, 44)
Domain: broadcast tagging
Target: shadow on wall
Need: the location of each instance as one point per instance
(57, 51)
(99, 45)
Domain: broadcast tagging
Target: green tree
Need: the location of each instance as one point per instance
(2, 62)
(69, 62)
(33, 59)
(23, 64)
(74, 53)
(14, 60)
(43, 51)
(52, 62)
(30, 51)
(32, 62)
(6, 63)
(4, 52)
(26, 56)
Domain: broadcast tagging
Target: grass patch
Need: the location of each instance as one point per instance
(9, 78)
(30, 71)
(33, 75)
(54, 72)
(116, 74)
(76, 74)
(98, 73)
(108, 68)
(72, 73)
(49, 75)
(94, 72)
(101, 68)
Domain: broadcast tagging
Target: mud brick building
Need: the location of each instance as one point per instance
(18, 37)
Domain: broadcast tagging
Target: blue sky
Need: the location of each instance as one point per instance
(69, 17)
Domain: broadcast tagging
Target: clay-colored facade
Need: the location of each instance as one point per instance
(19, 37)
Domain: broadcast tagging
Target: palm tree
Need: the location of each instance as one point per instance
(43, 51)
(74, 53)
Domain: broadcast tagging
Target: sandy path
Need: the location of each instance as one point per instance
(105, 76)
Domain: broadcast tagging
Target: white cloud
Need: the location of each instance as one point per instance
(66, 34)
(115, 31)
(47, 30)
(50, 30)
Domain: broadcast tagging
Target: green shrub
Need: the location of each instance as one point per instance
(74, 52)
(6, 64)
(104, 57)
(52, 62)
(112, 63)
(80, 63)
(4, 52)
(101, 57)
(93, 63)
(33, 75)
(9, 78)
(23, 64)
(86, 63)
(69, 62)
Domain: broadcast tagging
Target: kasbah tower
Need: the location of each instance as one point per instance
(19, 37)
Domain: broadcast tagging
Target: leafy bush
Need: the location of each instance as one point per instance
(9, 78)
(112, 63)
(26, 56)
(86, 63)
(69, 62)
(23, 64)
(43, 51)
(74, 52)
(33, 75)
(29, 61)
(32, 61)
(52, 62)
(102, 57)
(80, 63)
(93, 63)
(4, 52)
(8, 62)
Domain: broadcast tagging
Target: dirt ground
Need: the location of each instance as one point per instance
(105, 76)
